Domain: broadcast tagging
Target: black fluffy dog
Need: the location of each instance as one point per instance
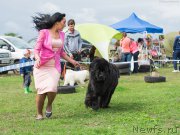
(102, 83)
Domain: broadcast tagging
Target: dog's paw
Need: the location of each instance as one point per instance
(71, 83)
(65, 84)
(95, 106)
(105, 107)
(82, 82)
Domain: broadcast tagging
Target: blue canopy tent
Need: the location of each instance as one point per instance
(133, 24)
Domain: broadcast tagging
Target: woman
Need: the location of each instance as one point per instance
(48, 51)
(134, 47)
(125, 44)
(118, 51)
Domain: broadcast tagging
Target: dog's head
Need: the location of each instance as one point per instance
(99, 69)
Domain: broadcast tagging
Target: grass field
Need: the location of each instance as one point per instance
(136, 108)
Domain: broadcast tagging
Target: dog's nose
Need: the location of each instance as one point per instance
(101, 76)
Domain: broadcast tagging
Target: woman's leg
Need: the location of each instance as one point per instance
(40, 98)
(135, 56)
(128, 59)
(175, 58)
(123, 57)
(51, 96)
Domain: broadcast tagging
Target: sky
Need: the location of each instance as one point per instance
(16, 15)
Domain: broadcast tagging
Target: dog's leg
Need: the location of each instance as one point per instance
(87, 101)
(65, 83)
(88, 98)
(107, 101)
(82, 82)
(104, 100)
(107, 97)
(100, 101)
(95, 102)
(71, 83)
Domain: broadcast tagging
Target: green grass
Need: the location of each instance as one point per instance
(135, 104)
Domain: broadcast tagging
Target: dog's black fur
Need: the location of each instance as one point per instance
(102, 83)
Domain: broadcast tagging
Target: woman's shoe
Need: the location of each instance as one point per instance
(48, 114)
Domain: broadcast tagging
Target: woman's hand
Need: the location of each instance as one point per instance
(71, 56)
(72, 61)
(75, 63)
(37, 63)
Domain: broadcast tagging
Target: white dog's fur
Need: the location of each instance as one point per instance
(75, 76)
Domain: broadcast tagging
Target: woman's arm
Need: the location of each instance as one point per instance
(39, 43)
(38, 47)
(67, 58)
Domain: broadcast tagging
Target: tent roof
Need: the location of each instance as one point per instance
(133, 24)
(98, 35)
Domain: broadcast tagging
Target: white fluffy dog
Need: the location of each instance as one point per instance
(75, 76)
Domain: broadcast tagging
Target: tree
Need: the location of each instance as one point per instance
(13, 35)
(168, 42)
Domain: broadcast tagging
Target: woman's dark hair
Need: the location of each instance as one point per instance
(71, 22)
(46, 21)
(140, 40)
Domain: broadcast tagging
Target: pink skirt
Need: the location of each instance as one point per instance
(46, 78)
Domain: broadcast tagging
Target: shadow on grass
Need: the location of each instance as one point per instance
(114, 109)
(126, 107)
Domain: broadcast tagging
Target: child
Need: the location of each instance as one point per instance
(26, 71)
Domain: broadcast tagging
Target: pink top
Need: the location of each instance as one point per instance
(133, 47)
(56, 44)
(125, 43)
(45, 51)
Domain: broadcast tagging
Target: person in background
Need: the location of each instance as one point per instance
(48, 50)
(135, 52)
(125, 44)
(26, 71)
(118, 51)
(176, 52)
(126, 54)
(73, 42)
(148, 42)
(140, 42)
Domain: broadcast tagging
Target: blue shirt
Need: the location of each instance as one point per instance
(176, 45)
(25, 70)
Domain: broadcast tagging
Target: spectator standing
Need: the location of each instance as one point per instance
(125, 44)
(118, 52)
(135, 52)
(73, 42)
(176, 52)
